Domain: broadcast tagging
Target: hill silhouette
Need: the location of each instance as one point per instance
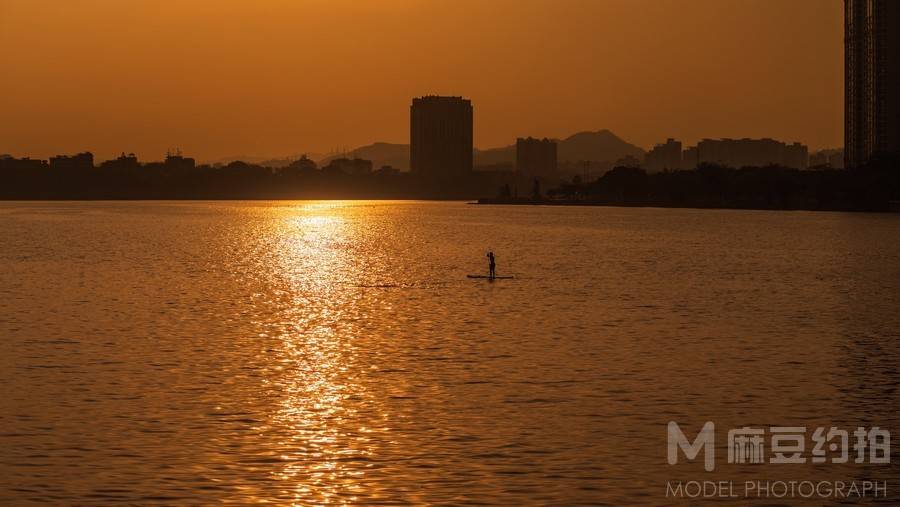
(599, 146)
(276, 162)
(381, 154)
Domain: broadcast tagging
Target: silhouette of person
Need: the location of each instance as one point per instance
(492, 266)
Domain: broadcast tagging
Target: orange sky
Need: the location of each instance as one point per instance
(279, 77)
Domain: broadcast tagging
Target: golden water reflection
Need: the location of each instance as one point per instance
(325, 353)
(326, 449)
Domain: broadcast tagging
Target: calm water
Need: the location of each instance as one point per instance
(335, 352)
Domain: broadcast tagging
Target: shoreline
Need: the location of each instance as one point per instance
(890, 207)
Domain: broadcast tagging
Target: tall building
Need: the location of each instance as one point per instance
(872, 79)
(536, 157)
(440, 132)
(664, 156)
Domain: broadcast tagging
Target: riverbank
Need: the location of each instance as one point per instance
(891, 206)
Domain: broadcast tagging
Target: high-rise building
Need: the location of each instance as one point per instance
(536, 157)
(872, 79)
(664, 156)
(440, 132)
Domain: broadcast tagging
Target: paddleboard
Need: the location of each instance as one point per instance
(485, 276)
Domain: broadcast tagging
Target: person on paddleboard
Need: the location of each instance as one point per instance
(492, 266)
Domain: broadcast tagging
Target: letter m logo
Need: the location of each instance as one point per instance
(705, 440)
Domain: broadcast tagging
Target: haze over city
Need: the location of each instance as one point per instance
(222, 79)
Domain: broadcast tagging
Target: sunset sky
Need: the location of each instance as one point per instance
(222, 78)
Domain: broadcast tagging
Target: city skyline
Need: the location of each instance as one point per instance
(539, 155)
(191, 77)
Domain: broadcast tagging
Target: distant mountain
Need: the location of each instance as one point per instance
(381, 154)
(599, 146)
(276, 163)
(235, 158)
(264, 161)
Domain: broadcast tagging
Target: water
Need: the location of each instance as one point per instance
(335, 352)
